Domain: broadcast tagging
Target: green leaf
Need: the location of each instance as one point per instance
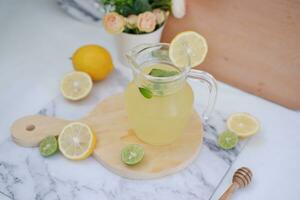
(162, 4)
(124, 10)
(162, 73)
(162, 54)
(128, 7)
(146, 92)
(141, 6)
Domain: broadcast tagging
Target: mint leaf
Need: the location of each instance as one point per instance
(162, 54)
(146, 92)
(162, 73)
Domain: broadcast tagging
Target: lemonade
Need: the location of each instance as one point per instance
(162, 118)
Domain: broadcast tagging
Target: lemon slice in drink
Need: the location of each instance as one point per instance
(76, 85)
(76, 141)
(188, 44)
(243, 124)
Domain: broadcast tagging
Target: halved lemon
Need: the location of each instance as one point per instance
(188, 48)
(243, 124)
(76, 141)
(76, 85)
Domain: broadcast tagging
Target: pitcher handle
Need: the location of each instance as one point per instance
(211, 82)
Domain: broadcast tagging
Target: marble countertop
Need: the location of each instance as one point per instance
(37, 39)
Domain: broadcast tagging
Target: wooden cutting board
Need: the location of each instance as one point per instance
(109, 122)
(253, 45)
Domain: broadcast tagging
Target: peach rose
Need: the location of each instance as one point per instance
(131, 21)
(114, 23)
(160, 15)
(146, 22)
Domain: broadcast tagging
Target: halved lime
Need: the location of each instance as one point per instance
(48, 146)
(132, 154)
(227, 140)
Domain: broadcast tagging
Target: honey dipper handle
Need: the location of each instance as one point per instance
(228, 193)
(29, 131)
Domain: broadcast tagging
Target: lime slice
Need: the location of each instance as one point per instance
(227, 140)
(243, 124)
(132, 154)
(48, 146)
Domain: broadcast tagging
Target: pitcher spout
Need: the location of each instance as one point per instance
(132, 54)
(130, 57)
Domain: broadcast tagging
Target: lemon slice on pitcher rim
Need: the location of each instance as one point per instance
(76, 85)
(243, 124)
(76, 141)
(188, 48)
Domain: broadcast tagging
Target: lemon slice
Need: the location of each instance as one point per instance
(243, 124)
(188, 49)
(76, 141)
(76, 85)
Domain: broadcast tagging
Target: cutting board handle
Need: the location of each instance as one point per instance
(29, 131)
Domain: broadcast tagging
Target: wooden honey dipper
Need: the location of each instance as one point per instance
(241, 178)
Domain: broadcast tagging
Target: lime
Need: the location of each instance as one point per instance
(48, 146)
(227, 140)
(132, 154)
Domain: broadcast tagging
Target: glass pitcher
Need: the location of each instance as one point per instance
(159, 107)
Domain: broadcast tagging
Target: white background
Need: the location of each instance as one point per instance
(36, 40)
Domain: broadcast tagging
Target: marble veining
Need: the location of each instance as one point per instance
(25, 175)
(85, 10)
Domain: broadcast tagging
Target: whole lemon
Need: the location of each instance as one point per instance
(94, 60)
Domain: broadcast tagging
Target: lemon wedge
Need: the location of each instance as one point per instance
(76, 141)
(243, 124)
(76, 85)
(188, 48)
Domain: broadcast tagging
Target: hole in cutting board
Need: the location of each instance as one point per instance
(30, 127)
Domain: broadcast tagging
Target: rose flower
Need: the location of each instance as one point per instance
(146, 22)
(131, 21)
(160, 15)
(114, 23)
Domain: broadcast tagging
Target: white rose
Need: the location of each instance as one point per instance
(160, 15)
(131, 21)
